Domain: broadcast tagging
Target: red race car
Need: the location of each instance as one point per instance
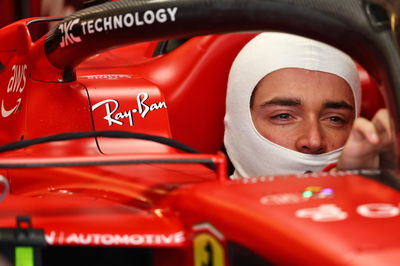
(111, 140)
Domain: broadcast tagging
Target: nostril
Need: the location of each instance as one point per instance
(309, 150)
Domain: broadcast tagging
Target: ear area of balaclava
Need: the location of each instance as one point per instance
(250, 153)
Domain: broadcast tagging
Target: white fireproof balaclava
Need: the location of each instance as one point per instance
(251, 153)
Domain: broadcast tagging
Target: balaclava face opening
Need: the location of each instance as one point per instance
(251, 153)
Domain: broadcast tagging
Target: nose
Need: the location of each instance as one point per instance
(311, 140)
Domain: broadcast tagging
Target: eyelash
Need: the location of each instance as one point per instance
(341, 120)
(286, 117)
(278, 116)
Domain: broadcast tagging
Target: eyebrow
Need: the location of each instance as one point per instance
(282, 102)
(338, 105)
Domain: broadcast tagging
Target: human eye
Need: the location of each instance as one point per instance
(336, 120)
(282, 116)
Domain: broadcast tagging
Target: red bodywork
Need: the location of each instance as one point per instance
(185, 213)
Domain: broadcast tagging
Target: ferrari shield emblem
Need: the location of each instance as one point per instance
(208, 250)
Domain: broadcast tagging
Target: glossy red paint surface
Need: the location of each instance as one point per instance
(164, 204)
(261, 214)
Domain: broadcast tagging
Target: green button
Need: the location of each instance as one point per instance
(24, 256)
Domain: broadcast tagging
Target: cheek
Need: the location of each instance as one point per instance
(282, 135)
(336, 139)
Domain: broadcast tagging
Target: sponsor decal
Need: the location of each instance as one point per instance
(311, 192)
(55, 237)
(323, 213)
(317, 192)
(68, 37)
(114, 116)
(108, 76)
(378, 210)
(207, 246)
(5, 112)
(115, 22)
(331, 212)
(283, 198)
(16, 85)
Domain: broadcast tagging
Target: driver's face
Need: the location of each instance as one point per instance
(303, 110)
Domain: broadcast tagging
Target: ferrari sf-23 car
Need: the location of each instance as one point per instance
(112, 129)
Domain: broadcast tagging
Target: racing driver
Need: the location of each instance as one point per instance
(293, 106)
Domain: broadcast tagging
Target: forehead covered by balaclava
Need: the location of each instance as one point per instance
(250, 153)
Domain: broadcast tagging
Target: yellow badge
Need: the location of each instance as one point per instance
(208, 251)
